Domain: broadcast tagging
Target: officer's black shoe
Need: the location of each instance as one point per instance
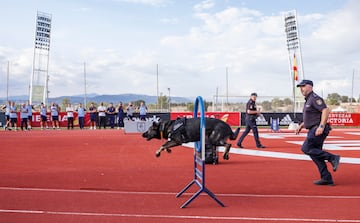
(260, 147)
(239, 145)
(335, 162)
(324, 182)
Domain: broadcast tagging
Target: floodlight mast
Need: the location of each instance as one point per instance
(40, 73)
(294, 48)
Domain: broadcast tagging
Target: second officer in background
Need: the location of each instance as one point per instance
(251, 114)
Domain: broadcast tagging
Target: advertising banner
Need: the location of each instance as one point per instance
(231, 118)
(284, 118)
(344, 119)
(36, 118)
(2, 119)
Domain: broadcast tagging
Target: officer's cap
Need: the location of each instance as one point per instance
(254, 94)
(305, 82)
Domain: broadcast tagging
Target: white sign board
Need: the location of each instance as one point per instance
(139, 126)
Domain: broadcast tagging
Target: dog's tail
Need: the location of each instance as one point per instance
(235, 134)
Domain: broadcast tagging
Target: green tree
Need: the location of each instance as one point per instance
(288, 101)
(163, 102)
(276, 103)
(266, 105)
(64, 103)
(352, 100)
(190, 107)
(333, 99)
(206, 104)
(89, 103)
(344, 99)
(137, 102)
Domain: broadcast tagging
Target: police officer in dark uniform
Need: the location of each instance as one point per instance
(315, 116)
(251, 114)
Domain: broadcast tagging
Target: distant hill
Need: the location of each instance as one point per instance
(102, 98)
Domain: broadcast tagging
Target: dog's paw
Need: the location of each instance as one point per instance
(216, 161)
(157, 154)
(168, 150)
(226, 156)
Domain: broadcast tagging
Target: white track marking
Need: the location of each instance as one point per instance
(283, 155)
(99, 191)
(229, 218)
(340, 145)
(353, 133)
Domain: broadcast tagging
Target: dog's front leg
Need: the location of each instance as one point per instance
(166, 147)
(170, 144)
(158, 152)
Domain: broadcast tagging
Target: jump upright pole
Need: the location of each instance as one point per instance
(199, 159)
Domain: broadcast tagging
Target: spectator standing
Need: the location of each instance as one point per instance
(30, 109)
(43, 116)
(24, 116)
(110, 112)
(70, 116)
(142, 111)
(81, 116)
(102, 115)
(120, 110)
(130, 111)
(55, 109)
(7, 114)
(13, 116)
(92, 110)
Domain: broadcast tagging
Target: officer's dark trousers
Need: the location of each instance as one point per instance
(81, 122)
(24, 122)
(121, 121)
(313, 147)
(70, 123)
(112, 121)
(250, 125)
(102, 122)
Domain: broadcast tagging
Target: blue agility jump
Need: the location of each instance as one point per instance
(199, 159)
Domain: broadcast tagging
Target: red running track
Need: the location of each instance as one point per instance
(108, 176)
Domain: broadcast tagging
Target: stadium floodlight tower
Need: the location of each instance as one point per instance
(295, 57)
(40, 73)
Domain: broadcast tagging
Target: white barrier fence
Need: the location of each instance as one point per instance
(139, 126)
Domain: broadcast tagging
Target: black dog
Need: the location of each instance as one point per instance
(185, 130)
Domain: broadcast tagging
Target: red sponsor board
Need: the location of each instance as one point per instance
(344, 119)
(36, 118)
(231, 118)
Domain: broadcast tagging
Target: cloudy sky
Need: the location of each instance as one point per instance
(192, 42)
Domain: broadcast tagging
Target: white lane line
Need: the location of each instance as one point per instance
(281, 155)
(348, 160)
(230, 218)
(173, 194)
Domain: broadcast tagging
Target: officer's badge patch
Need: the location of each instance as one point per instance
(319, 102)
